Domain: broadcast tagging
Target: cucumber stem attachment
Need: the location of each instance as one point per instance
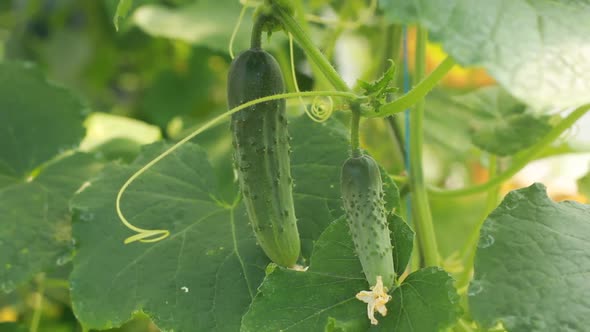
(354, 130)
(257, 30)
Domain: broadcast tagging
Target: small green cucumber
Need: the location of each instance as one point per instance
(362, 197)
(261, 154)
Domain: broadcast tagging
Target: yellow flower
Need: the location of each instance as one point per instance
(376, 299)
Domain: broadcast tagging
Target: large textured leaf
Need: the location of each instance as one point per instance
(34, 193)
(506, 127)
(199, 279)
(538, 50)
(33, 116)
(323, 298)
(533, 263)
(425, 301)
(402, 240)
(36, 231)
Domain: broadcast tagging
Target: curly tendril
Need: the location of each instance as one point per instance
(235, 31)
(245, 5)
(322, 107)
(155, 235)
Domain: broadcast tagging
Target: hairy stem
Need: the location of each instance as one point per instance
(320, 81)
(421, 208)
(256, 37)
(38, 303)
(354, 130)
(417, 93)
(310, 49)
(392, 49)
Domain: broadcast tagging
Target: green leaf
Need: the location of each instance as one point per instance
(39, 120)
(304, 301)
(36, 230)
(538, 50)
(425, 301)
(531, 266)
(324, 296)
(206, 23)
(335, 325)
(201, 278)
(505, 127)
(402, 240)
(122, 10)
(34, 115)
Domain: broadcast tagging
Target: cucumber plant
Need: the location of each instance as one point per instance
(180, 240)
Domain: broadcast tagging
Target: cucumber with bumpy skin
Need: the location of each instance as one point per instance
(261, 154)
(362, 196)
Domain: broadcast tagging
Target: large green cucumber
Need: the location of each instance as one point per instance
(362, 196)
(261, 154)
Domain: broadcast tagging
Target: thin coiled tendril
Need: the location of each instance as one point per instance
(322, 107)
(245, 5)
(155, 235)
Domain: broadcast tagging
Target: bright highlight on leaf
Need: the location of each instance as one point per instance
(375, 299)
(122, 10)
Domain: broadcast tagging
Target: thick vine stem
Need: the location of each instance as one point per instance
(354, 130)
(257, 30)
(421, 207)
(410, 99)
(310, 49)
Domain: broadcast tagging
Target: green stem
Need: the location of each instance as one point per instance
(38, 303)
(468, 250)
(257, 29)
(421, 207)
(320, 81)
(393, 43)
(463, 326)
(56, 283)
(417, 93)
(310, 49)
(493, 192)
(523, 160)
(354, 130)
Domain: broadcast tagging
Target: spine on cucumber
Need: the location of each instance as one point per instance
(261, 154)
(362, 196)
